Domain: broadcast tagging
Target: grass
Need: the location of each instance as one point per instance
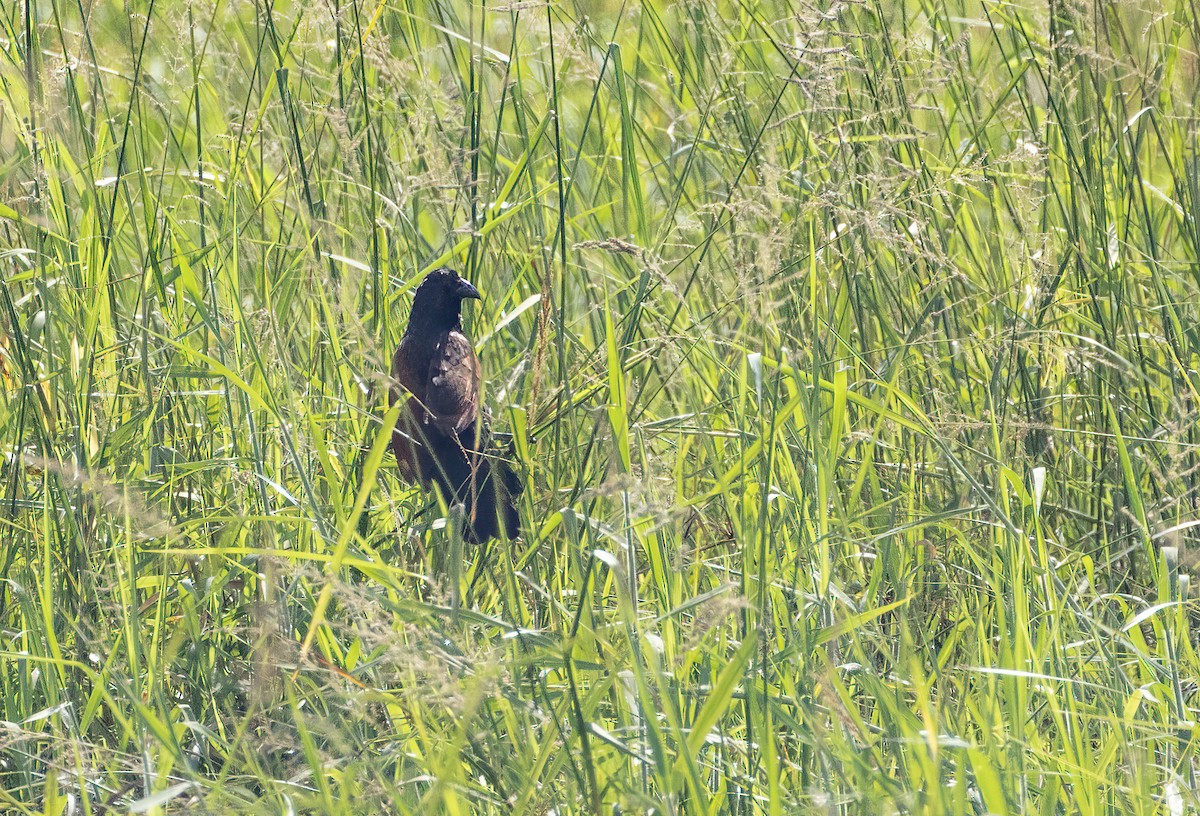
(849, 351)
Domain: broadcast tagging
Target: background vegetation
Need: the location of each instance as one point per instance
(850, 350)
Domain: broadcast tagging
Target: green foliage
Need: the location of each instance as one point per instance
(849, 352)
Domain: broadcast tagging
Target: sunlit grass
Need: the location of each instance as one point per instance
(848, 351)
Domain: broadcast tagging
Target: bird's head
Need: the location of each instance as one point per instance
(439, 297)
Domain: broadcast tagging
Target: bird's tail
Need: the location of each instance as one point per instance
(458, 464)
(491, 499)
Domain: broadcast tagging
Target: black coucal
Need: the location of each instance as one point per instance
(442, 437)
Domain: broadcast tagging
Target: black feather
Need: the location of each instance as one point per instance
(442, 438)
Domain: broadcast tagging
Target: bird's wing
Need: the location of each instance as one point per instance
(452, 387)
(409, 444)
(404, 378)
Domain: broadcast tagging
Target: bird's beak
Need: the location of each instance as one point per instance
(466, 291)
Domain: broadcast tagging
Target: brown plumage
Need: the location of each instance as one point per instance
(442, 436)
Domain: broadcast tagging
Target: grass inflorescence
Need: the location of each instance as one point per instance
(848, 351)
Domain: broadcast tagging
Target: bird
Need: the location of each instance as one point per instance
(442, 435)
